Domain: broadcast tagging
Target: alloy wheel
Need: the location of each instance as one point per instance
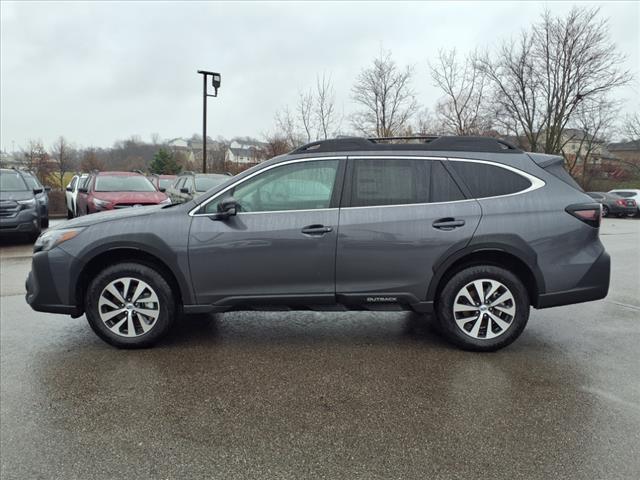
(129, 307)
(484, 309)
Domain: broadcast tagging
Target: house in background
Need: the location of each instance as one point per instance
(625, 159)
(246, 152)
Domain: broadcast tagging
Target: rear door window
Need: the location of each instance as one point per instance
(443, 187)
(484, 180)
(378, 182)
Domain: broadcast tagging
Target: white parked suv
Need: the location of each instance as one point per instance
(71, 194)
(633, 194)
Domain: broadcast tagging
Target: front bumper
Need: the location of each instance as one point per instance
(48, 283)
(25, 221)
(594, 285)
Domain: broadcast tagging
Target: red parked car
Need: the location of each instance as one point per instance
(112, 190)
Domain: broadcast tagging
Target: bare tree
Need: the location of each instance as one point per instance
(286, 127)
(326, 107)
(462, 109)
(90, 161)
(36, 159)
(631, 127)
(540, 80)
(386, 99)
(276, 145)
(63, 158)
(584, 145)
(304, 110)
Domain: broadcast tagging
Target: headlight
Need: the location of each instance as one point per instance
(28, 203)
(53, 238)
(101, 203)
(166, 201)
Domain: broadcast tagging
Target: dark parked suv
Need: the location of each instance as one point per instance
(470, 229)
(23, 204)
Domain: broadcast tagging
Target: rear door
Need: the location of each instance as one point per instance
(399, 216)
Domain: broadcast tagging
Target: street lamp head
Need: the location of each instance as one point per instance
(215, 80)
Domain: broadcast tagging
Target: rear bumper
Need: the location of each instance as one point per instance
(594, 285)
(617, 209)
(46, 291)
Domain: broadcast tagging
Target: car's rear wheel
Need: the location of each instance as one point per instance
(130, 305)
(483, 308)
(44, 223)
(69, 214)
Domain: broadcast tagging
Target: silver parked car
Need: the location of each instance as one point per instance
(470, 229)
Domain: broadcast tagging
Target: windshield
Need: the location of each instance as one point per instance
(12, 182)
(123, 183)
(205, 183)
(32, 181)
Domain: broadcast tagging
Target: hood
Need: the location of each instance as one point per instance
(21, 195)
(130, 197)
(108, 215)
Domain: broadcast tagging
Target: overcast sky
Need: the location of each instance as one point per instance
(99, 72)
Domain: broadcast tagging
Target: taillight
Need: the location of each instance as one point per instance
(589, 213)
(622, 203)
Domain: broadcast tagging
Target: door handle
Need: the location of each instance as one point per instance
(447, 223)
(316, 229)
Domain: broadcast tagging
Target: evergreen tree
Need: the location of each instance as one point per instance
(165, 163)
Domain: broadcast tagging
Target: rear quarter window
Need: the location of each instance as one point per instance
(484, 180)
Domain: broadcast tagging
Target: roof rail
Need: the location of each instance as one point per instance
(432, 143)
(426, 138)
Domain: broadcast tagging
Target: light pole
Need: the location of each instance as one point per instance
(215, 83)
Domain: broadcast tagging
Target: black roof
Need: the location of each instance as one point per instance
(426, 143)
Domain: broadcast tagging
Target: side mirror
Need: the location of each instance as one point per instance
(227, 207)
(83, 190)
(47, 189)
(184, 190)
(69, 189)
(162, 189)
(37, 191)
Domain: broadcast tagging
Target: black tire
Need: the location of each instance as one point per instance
(605, 211)
(33, 236)
(166, 302)
(44, 224)
(447, 297)
(69, 214)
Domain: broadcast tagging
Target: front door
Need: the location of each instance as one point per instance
(279, 248)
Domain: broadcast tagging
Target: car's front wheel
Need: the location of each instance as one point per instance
(605, 211)
(130, 305)
(483, 308)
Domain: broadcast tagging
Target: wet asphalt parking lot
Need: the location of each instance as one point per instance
(319, 395)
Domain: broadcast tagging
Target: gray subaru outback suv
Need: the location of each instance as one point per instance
(470, 229)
